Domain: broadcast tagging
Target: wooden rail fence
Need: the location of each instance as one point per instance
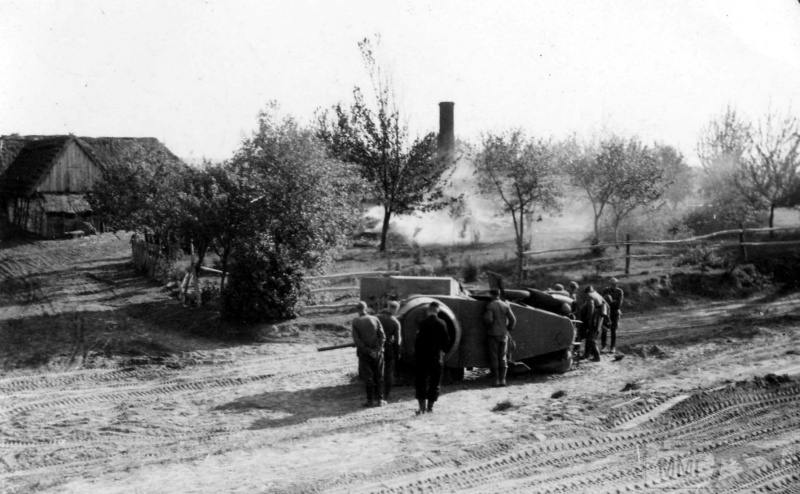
(742, 243)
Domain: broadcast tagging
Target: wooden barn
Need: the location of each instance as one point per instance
(44, 179)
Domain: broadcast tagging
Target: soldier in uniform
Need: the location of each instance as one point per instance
(391, 347)
(500, 321)
(614, 296)
(432, 341)
(592, 314)
(369, 338)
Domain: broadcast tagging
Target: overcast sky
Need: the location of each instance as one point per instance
(194, 74)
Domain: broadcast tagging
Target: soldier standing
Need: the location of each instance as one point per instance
(391, 347)
(368, 337)
(500, 321)
(593, 312)
(614, 296)
(432, 341)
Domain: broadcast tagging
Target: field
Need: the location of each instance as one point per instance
(109, 385)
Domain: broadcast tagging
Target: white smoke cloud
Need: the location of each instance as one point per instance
(479, 221)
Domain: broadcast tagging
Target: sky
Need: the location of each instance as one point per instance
(195, 74)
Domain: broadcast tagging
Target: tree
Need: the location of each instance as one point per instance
(402, 177)
(770, 171)
(748, 167)
(597, 177)
(722, 148)
(640, 178)
(305, 205)
(137, 191)
(678, 174)
(522, 173)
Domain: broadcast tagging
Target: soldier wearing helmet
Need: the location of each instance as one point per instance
(368, 337)
(391, 346)
(614, 295)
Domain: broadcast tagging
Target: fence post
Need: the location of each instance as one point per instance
(627, 253)
(742, 248)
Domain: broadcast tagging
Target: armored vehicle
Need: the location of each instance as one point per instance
(543, 338)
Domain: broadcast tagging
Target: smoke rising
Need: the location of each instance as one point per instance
(479, 218)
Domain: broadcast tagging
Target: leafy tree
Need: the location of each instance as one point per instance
(641, 179)
(769, 174)
(305, 205)
(137, 191)
(403, 177)
(522, 173)
(678, 174)
(597, 177)
(722, 147)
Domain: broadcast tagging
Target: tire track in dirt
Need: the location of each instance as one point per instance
(505, 460)
(152, 392)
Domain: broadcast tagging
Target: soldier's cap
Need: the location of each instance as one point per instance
(558, 286)
(614, 280)
(361, 306)
(573, 284)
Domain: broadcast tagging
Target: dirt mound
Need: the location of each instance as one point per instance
(645, 351)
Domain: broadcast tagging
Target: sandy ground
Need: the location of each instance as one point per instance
(687, 408)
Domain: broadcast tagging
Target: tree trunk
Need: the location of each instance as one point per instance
(387, 214)
(771, 219)
(596, 228)
(520, 227)
(224, 263)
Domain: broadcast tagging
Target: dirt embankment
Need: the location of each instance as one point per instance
(699, 401)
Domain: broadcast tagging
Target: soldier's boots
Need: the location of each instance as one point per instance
(503, 372)
(496, 375)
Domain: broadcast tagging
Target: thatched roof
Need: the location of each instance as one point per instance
(26, 160)
(10, 146)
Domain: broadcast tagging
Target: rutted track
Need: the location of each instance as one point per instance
(711, 424)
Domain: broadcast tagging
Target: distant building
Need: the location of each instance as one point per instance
(44, 179)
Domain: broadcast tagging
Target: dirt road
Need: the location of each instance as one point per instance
(680, 411)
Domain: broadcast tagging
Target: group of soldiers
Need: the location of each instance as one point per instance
(598, 314)
(378, 339)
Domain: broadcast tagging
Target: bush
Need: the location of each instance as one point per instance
(209, 292)
(707, 219)
(701, 255)
(261, 287)
(470, 271)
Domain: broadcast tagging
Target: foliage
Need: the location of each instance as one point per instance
(403, 177)
(469, 271)
(771, 172)
(592, 176)
(306, 204)
(678, 177)
(714, 217)
(137, 191)
(521, 172)
(620, 176)
(265, 285)
(750, 168)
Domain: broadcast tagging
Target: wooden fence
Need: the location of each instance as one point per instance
(741, 242)
(146, 255)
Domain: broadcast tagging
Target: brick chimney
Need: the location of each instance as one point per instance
(447, 137)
